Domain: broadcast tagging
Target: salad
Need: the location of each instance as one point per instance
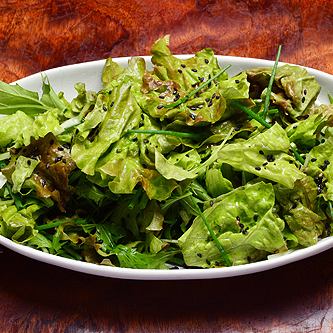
(181, 166)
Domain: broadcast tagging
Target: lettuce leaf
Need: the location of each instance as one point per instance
(244, 223)
(294, 90)
(265, 155)
(122, 113)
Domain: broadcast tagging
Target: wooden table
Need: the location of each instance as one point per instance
(35, 297)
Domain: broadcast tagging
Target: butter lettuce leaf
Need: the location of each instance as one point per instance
(264, 155)
(244, 223)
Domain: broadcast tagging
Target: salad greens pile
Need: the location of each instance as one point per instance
(178, 166)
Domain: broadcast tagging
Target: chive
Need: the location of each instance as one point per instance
(252, 114)
(330, 97)
(263, 122)
(330, 209)
(271, 81)
(298, 157)
(224, 255)
(193, 92)
(187, 135)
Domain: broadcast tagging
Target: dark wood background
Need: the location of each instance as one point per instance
(35, 297)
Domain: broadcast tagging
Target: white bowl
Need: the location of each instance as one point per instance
(63, 79)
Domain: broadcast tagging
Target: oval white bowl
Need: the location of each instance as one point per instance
(63, 79)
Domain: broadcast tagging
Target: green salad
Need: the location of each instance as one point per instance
(181, 166)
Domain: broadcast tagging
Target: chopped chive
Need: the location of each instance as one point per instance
(330, 97)
(271, 81)
(187, 135)
(298, 157)
(252, 114)
(224, 255)
(193, 92)
(263, 122)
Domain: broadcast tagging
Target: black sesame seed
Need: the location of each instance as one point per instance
(193, 108)
(322, 140)
(193, 85)
(261, 152)
(217, 97)
(206, 61)
(238, 218)
(161, 97)
(214, 95)
(29, 162)
(193, 116)
(175, 92)
(207, 99)
(43, 182)
(295, 126)
(60, 148)
(112, 104)
(270, 158)
(105, 108)
(176, 98)
(264, 164)
(199, 255)
(258, 168)
(303, 99)
(209, 85)
(134, 139)
(110, 92)
(145, 141)
(160, 106)
(291, 162)
(57, 159)
(180, 71)
(313, 159)
(194, 70)
(183, 65)
(66, 145)
(241, 225)
(237, 81)
(202, 79)
(326, 162)
(210, 103)
(305, 92)
(211, 203)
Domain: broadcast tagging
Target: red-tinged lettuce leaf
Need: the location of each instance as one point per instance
(294, 90)
(50, 177)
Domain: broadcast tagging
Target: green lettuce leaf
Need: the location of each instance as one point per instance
(122, 113)
(244, 223)
(319, 165)
(306, 225)
(264, 155)
(305, 132)
(23, 170)
(18, 225)
(15, 129)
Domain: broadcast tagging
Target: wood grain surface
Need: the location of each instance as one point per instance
(35, 297)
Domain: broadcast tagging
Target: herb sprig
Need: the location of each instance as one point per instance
(270, 84)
